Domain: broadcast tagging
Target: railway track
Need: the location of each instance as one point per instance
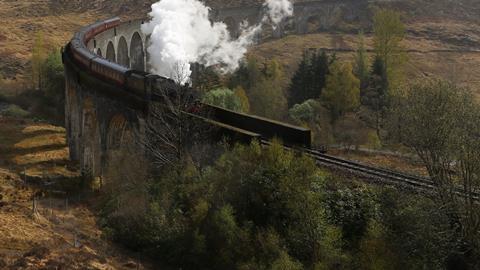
(417, 183)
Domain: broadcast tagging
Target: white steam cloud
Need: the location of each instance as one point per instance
(278, 10)
(181, 33)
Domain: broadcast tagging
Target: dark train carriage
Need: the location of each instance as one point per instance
(109, 71)
(289, 134)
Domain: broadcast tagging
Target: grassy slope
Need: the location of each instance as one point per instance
(456, 64)
(33, 241)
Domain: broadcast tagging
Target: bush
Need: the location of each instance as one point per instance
(224, 218)
(223, 97)
(306, 112)
(268, 208)
(15, 111)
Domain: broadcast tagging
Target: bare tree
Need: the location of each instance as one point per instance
(440, 122)
(180, 73)
(176, 123)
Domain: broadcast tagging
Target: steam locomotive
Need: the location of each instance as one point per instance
(139, 84)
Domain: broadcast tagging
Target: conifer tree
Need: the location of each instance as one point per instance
(320, 71)
(310, 78)
(299, 84)
(375, 95)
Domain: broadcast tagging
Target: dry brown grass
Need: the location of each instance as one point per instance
(393, 162)
(21, 20)
(456, 64)
(41, 140)
(33, 128)
(45, 239)
(58, 155)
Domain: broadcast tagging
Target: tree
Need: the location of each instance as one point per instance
(361, 63)
(54, 82)
(439, 122)
(223, 97)
(247, 74)
(266, 95)
(171, 132)
(38, 57)
(299, 88)
(320, 70)
(310, 77)
(205, 79)
(262, 87)
(342, 91)
(281, 192)
(305, 112)
(242, 96)
(389, 32)
(375, 96)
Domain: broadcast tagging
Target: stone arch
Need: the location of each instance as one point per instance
(111, 52)
(313, 23)
(122, 52)
(118, 133)
(137, 55)
(232, 26)
(99, 52)
(120, 152)
(91, 158)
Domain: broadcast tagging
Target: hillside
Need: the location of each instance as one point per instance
(63, 233)
(451, 23)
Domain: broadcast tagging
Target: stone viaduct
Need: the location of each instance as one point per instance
(103, 114)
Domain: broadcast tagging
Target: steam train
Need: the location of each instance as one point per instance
(139, 84)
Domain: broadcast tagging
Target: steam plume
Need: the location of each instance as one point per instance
(278, 10)
(181, 33)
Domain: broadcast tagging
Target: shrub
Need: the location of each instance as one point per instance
(15, 111)
(223, 97)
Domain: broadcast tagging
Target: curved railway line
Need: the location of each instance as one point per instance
(386, 176)
(141, 85)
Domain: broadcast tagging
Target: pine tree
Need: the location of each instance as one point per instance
(320, 65)
(361, 63)
(376, 94)
(310, 78)
(299, 84)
